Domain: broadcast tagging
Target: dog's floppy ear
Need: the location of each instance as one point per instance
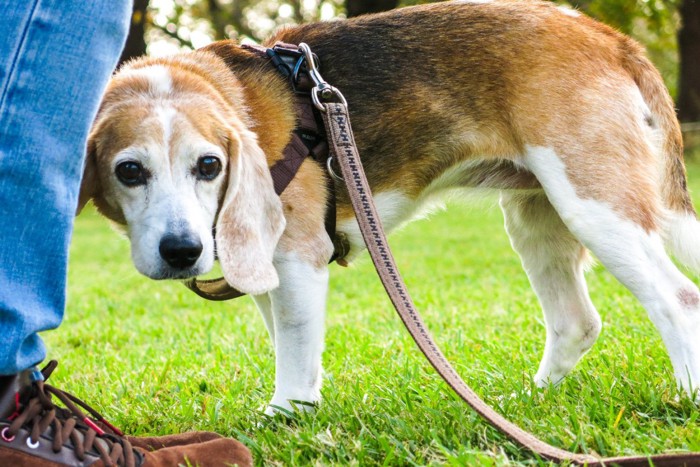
(90, 184)
(251, 220)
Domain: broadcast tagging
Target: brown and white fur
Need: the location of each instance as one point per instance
(563, 115)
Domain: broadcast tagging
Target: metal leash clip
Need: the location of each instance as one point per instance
(321, 90)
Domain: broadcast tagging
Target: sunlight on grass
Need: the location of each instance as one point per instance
(157, 359)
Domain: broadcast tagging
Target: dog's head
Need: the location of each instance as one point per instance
(172, 159)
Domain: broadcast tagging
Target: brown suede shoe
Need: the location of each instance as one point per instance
(153, 443)
(35, 432)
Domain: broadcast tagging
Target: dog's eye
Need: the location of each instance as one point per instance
(131, 173)
(208, 167)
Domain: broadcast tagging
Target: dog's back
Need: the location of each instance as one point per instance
(485, 79)
(565, 115)
(478, 82)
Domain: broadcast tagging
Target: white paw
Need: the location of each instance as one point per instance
(288, 407)
(543, 381)
(690, 388)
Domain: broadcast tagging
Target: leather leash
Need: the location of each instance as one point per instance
(344, 149)
(342, 145)
(342, 142)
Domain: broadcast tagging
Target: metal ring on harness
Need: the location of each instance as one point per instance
(329, 166)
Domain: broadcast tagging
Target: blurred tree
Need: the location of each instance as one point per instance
(235, 19)
(689, 61)
(362, 7)
(227, 22)
(136, 41)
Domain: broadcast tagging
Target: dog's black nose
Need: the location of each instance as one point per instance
(180, 251)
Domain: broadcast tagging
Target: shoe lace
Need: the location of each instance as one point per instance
(38, 413)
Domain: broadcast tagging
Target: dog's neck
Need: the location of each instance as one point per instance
(268, 98)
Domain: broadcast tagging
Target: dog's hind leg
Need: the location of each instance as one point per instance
(613, 205)
(554, 261)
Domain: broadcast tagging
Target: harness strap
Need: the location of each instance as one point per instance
(286, 168)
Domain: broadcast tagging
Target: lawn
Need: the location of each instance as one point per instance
(157, 359)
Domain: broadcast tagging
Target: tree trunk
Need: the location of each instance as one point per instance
(689, 52)
(218, 21)
(361, 7)
(136, 41)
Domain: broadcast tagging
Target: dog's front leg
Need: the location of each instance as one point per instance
(298, 311)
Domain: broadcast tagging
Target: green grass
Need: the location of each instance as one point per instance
(157, 359)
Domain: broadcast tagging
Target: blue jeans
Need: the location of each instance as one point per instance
(56, 57)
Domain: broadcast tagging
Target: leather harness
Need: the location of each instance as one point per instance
(309, 137)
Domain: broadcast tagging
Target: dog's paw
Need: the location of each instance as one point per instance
(291, 413)
(547, 380)
(290, 408)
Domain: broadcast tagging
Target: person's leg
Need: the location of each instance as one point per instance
(56, 59)
(54, 65)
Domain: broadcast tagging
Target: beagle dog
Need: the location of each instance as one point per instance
(562, 115)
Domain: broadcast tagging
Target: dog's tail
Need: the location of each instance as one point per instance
(681, 226)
